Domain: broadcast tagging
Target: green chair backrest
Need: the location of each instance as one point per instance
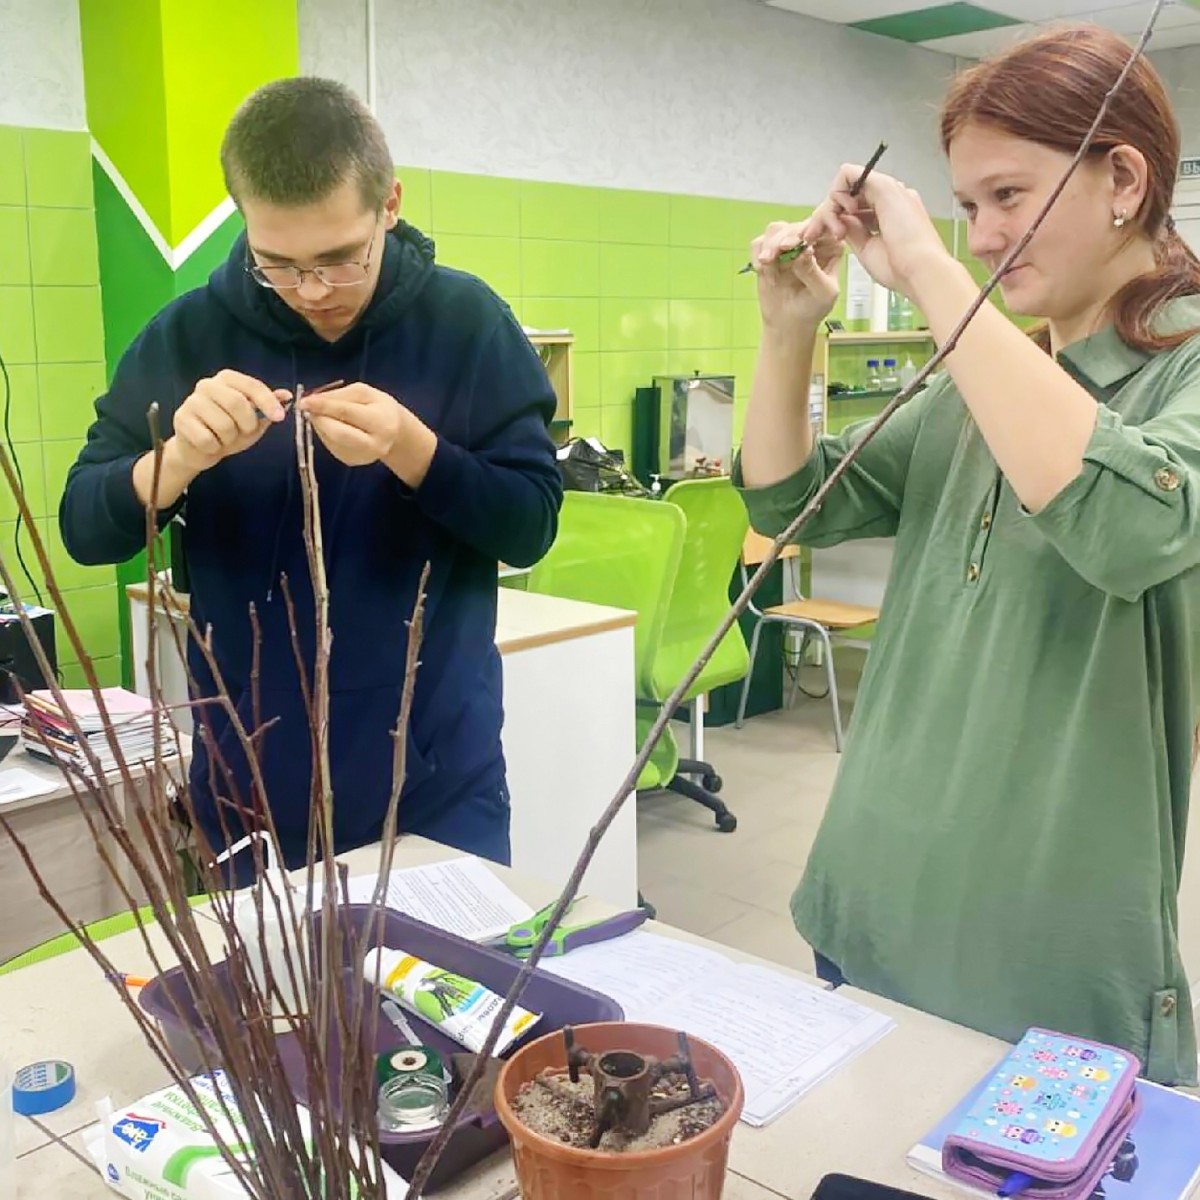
(716, 529)
(621, 552)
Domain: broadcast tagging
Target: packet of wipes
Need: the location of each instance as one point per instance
(159, 1148)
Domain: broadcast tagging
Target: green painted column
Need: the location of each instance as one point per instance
(162, 80)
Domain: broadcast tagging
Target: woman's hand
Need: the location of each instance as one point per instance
(886, 225)
(795, 296)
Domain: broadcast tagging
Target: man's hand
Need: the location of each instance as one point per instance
(223, 416)
(360, 425)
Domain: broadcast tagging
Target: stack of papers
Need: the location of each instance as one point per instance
(783, 1035)
(48, 733)
(461, 896)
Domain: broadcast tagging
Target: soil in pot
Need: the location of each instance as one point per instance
(556, 1108)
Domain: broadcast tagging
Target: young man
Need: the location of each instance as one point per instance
(435, 450)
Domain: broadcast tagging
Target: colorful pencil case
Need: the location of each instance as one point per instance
(1056, 1110)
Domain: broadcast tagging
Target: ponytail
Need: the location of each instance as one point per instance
(1137, 304)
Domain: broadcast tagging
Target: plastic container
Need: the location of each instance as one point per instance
(558, 1000)
(890, 380)
(908, 372)
(550, 1170)
(874, 381)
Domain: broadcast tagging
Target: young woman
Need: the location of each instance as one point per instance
(1004, 842)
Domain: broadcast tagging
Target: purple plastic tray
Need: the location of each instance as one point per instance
(558, 1000)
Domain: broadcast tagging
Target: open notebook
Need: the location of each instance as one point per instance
(784, 1035)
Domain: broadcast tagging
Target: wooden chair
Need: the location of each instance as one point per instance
(814, 617)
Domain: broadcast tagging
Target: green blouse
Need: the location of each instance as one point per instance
(1004, 841)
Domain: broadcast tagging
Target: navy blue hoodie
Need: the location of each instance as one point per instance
(450, 350)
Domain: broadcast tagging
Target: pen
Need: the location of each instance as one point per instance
(855, 188)
(130, 981)
(1015, 1184)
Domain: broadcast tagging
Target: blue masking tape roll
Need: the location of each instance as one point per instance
(43, 1087)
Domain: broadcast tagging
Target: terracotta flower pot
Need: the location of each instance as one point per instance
(550, 1170)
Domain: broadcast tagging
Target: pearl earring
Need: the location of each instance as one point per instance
(1120, 219)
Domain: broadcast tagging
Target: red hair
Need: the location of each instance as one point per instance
(1048, 90)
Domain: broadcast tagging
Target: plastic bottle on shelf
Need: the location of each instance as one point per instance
(901, 314)
(873, 381)
(908, 372)
(890, 380)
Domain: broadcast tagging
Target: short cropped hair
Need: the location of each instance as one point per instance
(295, 141)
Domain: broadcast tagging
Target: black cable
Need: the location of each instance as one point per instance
(12, 453)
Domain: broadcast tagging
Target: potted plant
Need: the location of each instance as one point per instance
(619, 1111)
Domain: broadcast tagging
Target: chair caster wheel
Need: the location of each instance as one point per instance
(712, 782)
(727, 823)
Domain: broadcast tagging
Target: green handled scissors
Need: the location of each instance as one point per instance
(519, 940)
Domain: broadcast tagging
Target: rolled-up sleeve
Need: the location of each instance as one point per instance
(1130, 520)
(866, 501)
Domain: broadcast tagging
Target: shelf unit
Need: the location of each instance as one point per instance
(842, 409)
(554, 349)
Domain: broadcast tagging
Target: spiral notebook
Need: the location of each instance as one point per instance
(1159, 1160)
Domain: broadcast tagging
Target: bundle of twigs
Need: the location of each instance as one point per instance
(336, 1153)
(317, 1003)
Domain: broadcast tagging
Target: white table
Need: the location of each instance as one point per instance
(569, 725)
(853, 1122)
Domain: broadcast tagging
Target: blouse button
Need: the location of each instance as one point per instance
(1167, 478)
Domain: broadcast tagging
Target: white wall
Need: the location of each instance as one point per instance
(708, 97)
(1181, 70)
(41, 64)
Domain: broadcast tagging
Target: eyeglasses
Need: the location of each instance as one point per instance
(339, 274)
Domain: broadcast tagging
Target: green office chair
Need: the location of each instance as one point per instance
(712, 548)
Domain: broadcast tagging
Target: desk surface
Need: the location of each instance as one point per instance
(850, 1123)
(524, 620)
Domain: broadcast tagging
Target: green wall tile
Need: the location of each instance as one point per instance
(581, 316)
(8, 552)
(633, 270)
(62, 246)
(700, 221)
(616, 425)
(700, 324)
(714, 361)
(585, 389)
(16, 325)
(622, 373)
(58, 168)
(34, 477)
(635, 217)
(701, 274)
(201, 263)
(559, 210)
(14, 247)
(496, 260)
(741, 363)
(68, 393)
(550, 268)
(747, 323)
(94, 611)
(416, 197)
(12, 166)
(68, 324)
(24, 412)
(107, 672)
(585, 422)
(475, 204)
(633, 324)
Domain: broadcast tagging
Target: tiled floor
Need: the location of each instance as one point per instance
(734, 888)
